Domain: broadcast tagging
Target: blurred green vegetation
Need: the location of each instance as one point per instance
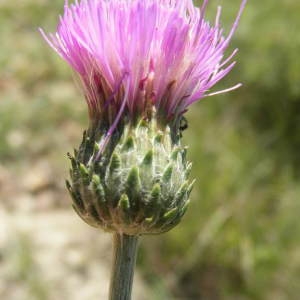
(241, 236)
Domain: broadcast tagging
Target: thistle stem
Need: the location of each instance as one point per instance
(125, 250)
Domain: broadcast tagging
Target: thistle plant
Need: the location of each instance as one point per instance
(141, 64)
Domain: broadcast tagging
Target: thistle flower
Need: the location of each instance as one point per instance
(141, 64)
(132, 55)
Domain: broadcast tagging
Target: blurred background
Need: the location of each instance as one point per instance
(240, 237)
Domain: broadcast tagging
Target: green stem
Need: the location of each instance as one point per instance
(125, 250)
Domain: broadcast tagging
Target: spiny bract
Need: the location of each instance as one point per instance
(138, 186)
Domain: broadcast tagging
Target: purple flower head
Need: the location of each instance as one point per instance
(133, 55)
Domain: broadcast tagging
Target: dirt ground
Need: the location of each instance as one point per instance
(47, 251)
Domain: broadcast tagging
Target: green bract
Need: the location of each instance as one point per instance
(139, 185)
